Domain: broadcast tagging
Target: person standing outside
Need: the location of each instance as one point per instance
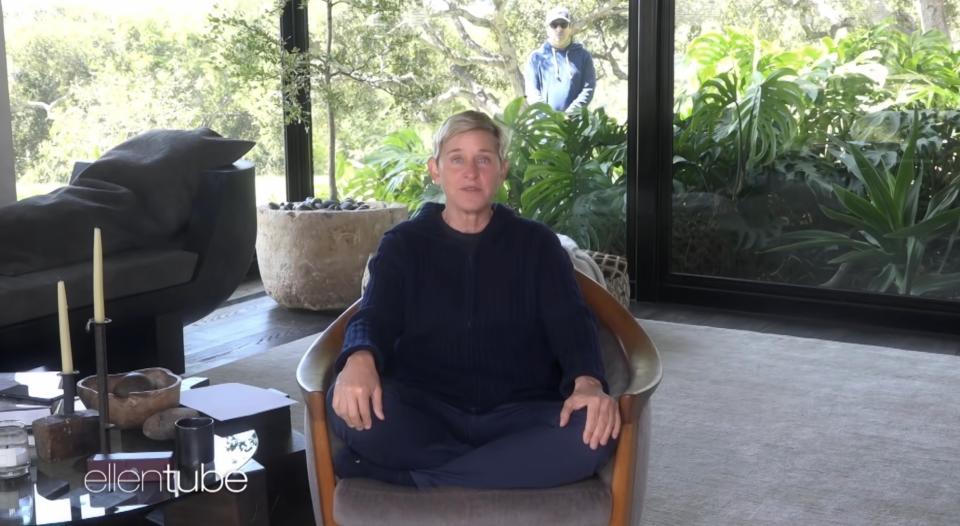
(561, 73)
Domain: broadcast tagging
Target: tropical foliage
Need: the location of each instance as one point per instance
(396, 171)
(856, 121)
(566, 172)
(886, 236)
(569, 172)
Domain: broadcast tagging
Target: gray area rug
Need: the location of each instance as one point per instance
(752, 428)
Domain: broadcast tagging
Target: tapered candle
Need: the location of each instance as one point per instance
(98, 311)
(66, 351)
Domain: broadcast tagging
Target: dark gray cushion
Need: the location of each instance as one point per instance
(34, 295)
(140, 194)
(361, 502)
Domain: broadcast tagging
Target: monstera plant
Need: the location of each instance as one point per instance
(568, 172)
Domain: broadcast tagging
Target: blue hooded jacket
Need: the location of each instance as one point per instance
(563, 78)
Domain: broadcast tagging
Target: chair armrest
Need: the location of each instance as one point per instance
(645, 373)
(315, 374)
(315, 377)
(640, 353)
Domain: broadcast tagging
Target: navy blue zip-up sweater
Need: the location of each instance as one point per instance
(505, 323)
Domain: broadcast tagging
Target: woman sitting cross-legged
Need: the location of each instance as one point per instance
(473, 360)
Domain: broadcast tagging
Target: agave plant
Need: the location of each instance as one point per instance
(887, 235)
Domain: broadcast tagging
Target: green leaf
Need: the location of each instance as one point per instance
(882, 281)
(849, 219)
(860, 255)
(876, 184)
(943, 199)
(928, 227)
(817, 239)
(873, 218)
(914, 256)
(512, 111)
(905, 179)
(925, 284)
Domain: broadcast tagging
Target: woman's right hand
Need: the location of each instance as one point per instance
(356, 388)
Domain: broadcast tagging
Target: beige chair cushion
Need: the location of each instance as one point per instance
(361, 502)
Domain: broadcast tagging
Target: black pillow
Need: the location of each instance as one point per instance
(139, 193)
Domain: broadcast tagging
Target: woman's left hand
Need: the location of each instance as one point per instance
(603, 415)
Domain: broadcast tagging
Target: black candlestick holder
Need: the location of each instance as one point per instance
(103, 392)
(68, 382)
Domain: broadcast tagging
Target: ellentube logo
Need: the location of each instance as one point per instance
(132, 480)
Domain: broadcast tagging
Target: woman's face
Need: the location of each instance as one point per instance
(469, 170)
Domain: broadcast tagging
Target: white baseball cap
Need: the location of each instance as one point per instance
(557, 13)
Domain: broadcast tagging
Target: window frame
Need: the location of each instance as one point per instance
(651, 213)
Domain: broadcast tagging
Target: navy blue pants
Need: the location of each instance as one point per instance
(426, 442)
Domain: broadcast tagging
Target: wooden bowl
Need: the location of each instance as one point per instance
(129, 412)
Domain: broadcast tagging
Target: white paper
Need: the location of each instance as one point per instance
(233, 400)
(25, 417)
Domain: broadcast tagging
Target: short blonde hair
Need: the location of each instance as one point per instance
(468, 121)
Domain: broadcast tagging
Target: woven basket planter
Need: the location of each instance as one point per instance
(614, 270)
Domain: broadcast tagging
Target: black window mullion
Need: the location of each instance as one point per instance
(297, 138)
(649, 134)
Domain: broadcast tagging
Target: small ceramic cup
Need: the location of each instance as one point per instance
(194, 442)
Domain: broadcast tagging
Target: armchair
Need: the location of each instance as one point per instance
(614, 497)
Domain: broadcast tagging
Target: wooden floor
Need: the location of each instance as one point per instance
(250, 323)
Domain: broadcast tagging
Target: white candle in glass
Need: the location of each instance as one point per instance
(13, 456)
(66, 350)
(14, 449)
(98, 309)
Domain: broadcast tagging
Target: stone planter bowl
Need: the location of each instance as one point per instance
(129, 412)
(314, 259)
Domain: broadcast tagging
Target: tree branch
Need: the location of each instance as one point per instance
(456, 11)
(470, 42)
(603, 12)
(608, 58)
(483, 99)
(430, 36)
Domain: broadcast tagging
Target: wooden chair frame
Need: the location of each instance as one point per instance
(315, 376)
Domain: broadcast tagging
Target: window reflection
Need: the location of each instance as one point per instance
(817, 150)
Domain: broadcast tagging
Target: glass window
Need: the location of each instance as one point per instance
(388, 74)
(86, 75)
(818, 147)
